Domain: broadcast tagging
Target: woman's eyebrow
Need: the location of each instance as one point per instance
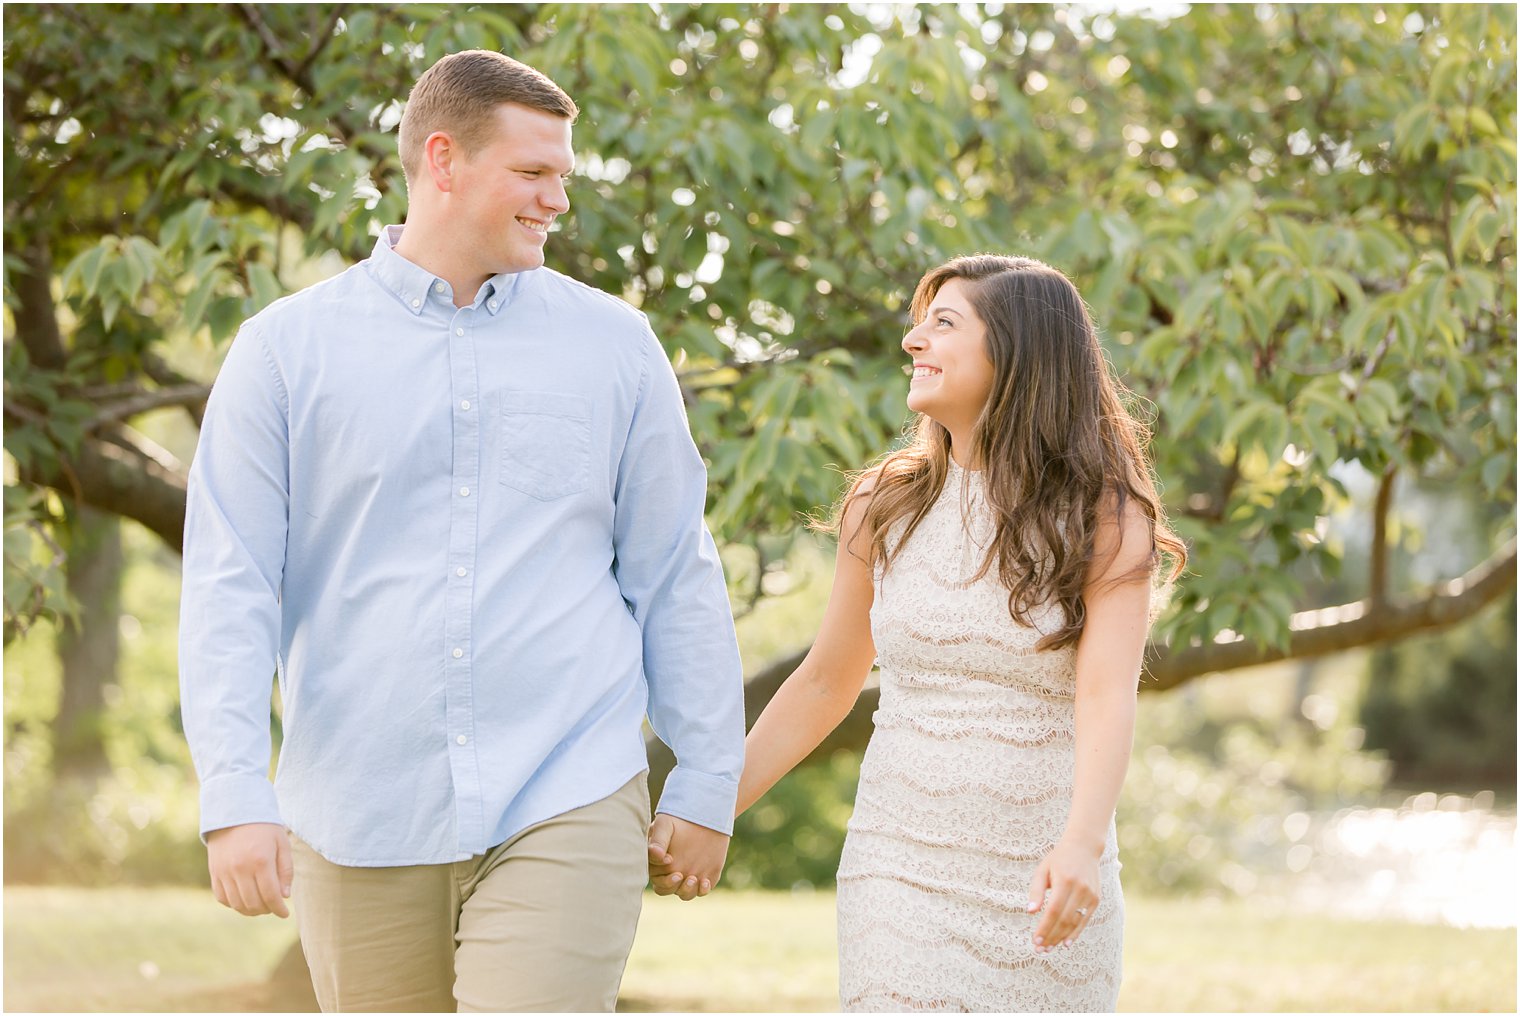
(945, 310)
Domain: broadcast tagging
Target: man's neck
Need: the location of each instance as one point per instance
(423, 248)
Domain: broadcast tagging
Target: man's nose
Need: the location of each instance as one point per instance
(556, 199)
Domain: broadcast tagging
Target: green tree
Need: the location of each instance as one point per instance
(1443, 709)
(1295, 224)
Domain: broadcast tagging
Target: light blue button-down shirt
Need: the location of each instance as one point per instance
(471, 539)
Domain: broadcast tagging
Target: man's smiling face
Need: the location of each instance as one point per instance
(505, 195)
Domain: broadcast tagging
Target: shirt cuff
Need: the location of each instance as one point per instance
(702, 798)
(237, 799)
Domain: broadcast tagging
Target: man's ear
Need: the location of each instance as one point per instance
(439, 156)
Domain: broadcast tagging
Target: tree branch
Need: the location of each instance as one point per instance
(300, 76)
(36, 321)
(1377, 572)
(165, 376)
(133, 484)
(36, 194)
(1214, 509)
(145, 448)
(275, 203)
(1349, 626)
(1376, 359)
(187, 395)
(273, 51)
(320, 41)
(1315, 633)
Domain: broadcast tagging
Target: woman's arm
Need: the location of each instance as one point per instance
(824, 687)
(822, 690)
(1109, 655)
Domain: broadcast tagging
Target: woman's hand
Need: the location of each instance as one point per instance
(681, 850)
(1070, 873)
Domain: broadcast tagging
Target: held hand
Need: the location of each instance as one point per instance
(685, 859)
(251, 868)
(1070, 872)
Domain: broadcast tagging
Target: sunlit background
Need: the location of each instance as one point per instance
(1294, 226)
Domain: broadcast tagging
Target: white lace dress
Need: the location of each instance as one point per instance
(966, 785)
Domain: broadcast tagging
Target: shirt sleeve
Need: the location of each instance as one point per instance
(668, 570)
(234, 559)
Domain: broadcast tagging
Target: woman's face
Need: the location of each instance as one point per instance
(952, 374)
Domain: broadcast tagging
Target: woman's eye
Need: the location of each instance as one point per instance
(943, 321)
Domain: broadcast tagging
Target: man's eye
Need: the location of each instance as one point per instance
(531, 174)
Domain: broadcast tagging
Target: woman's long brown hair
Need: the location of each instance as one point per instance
(1057, 448)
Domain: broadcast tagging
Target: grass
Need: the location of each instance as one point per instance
(144, 950)
(1194, 956)
(96, 950)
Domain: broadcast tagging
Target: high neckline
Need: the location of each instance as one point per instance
(956, 469)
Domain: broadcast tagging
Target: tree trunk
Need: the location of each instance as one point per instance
(88, 644)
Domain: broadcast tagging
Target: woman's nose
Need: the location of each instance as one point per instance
(913, 341)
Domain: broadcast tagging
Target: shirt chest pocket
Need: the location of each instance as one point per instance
(545, 443)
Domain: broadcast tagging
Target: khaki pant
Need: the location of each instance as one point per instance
(543, 922)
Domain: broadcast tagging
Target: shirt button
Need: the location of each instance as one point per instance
(461, 572)
(458, 653)
(492, 305)
(461, 739)
(464, 491)
(465, 404)
(438, 287)
(416, 303)
(459, 331)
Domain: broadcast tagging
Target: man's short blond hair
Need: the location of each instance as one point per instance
(460, 93)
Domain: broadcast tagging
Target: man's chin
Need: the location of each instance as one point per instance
(522, 262)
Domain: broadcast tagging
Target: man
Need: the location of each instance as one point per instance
(454, 495)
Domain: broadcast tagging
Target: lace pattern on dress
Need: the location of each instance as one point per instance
(965, 786)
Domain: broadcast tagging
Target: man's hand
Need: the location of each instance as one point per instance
(685, 859)
(251, 868)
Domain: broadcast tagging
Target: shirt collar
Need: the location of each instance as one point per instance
(414, 285)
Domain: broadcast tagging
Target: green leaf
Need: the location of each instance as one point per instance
(818, 130)
(198, 299)
(1242, 419)
(1481, 119)
(1445, 74)
(1498, 471)
(1413, 130)
(1490, 225)
(224, 317)
(110, 306)
(1355, 328)
(86, 269)
(263, 286)
(1347, 285)
(1321, 441)
(1190, 315)
(1465, 221)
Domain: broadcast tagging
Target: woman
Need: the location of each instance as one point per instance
(1000, 571)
